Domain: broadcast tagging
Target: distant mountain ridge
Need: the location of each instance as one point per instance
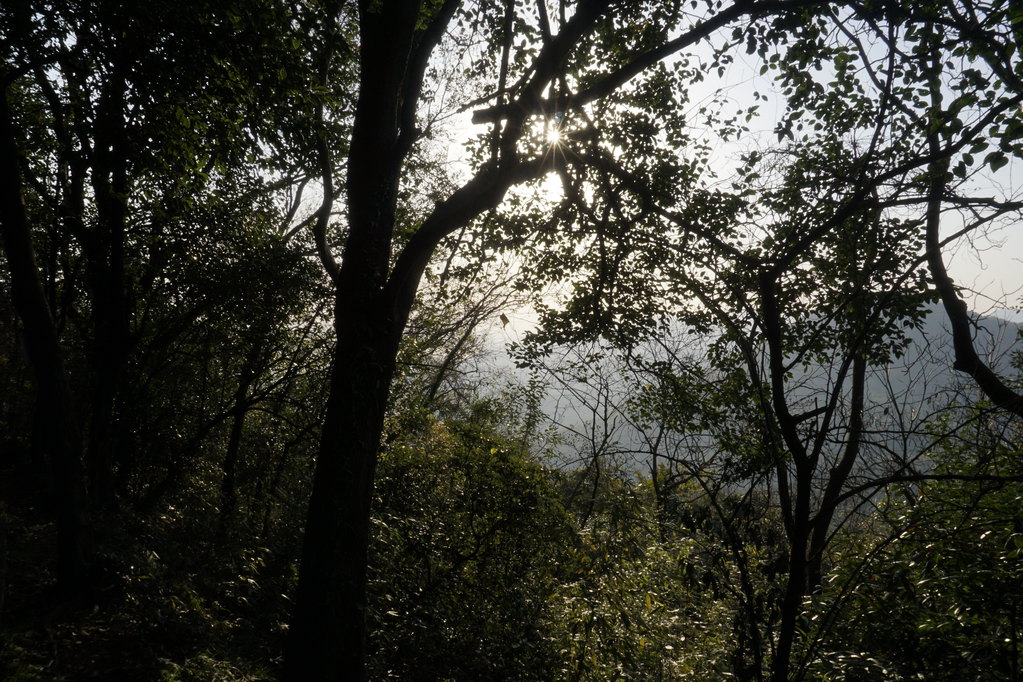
(930, 354)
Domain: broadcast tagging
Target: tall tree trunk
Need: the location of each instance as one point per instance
(108, 370)
(239, 408)
(3, 560)
(104, 247)
(798, 527)
(795, 587)
(327, 640)
(63, 444)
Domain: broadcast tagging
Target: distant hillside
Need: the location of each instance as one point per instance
(926, 369)
(902, 397)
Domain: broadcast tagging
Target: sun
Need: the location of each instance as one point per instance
(556, 139)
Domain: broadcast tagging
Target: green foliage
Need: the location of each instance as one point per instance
(469, 548)
(637, 604)
(203, 668)
(940, 600)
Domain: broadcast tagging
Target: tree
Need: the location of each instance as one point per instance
(104, 153)
(811, 266)
(63, 446)
(577, 59)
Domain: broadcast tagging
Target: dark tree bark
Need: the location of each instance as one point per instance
(3, 561)
(327, 639)
(966, 360)
(63, 446)
(798, 529)
(239, 408)
(104, 247)
(796, 581)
